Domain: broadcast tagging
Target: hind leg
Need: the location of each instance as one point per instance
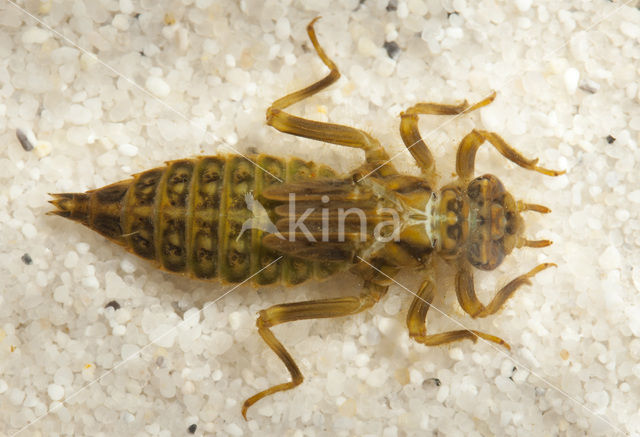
(313, 309)
(316, 130)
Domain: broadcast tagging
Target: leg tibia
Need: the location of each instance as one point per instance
(470, 303)
(416, 322)
(316, 130)
(466, 156)
(451, 336)
(313, 309)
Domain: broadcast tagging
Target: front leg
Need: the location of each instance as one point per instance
(470, 303)
(417, 322)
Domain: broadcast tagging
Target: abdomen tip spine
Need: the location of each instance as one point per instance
(74, 206)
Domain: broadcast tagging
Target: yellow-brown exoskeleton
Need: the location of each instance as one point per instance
(282, 220)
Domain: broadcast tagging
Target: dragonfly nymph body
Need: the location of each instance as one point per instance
(274, 220)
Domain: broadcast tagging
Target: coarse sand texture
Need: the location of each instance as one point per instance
(95, 341)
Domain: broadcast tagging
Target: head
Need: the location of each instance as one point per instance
(482, 223)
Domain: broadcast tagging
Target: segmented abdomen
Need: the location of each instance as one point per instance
(188, 216)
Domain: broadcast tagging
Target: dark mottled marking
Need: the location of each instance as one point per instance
(234, 229)
(26, 258)
(234, 256)
(298, 271)
(242, 173)
(275, 167)
(297, 170)
(172, 243)
(192, 428)
(236, 260)
(112, 193)
(189, 214)
(171, 214)
(271, 274)
(610, 139)
(178, 180)
(142, 241)
(242, 181)
(205, 248)
(210, 173)
(145, 186)
(238, 263)
(107, 225)
(206, 200)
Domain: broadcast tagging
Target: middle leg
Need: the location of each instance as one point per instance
(411, 134)
(466, 155)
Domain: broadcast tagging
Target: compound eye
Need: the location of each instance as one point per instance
(495, 256)
(485, 255)
(487, 187)
(510, 227)
(474, 252)
(495, 189)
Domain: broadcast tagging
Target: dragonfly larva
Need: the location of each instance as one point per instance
(284, 220)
